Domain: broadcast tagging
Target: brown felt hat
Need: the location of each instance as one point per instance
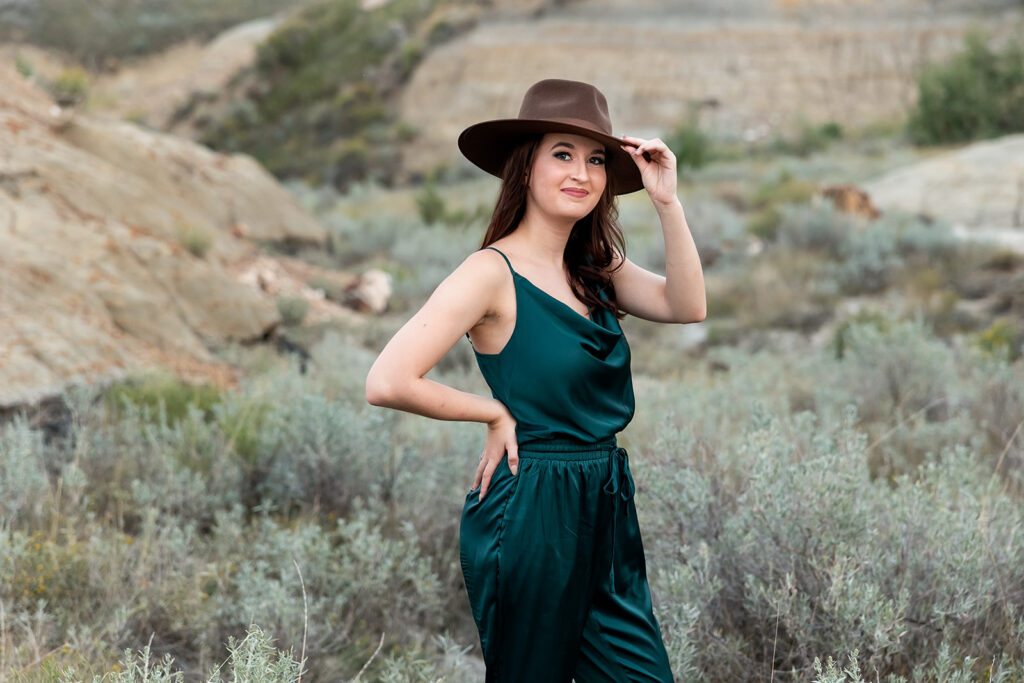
(552, 106)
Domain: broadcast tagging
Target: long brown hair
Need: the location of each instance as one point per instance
(588, 253)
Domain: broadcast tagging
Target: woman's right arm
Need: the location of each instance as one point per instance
(396, 379)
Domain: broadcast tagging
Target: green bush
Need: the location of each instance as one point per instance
(292, 309)
(70, 87)
(196, 240)
(811, 138)
(330, 76)
(979, 93)
(24, 65)
(162, 394)
(1002, 339)
(764, 223)
(431, 204)
(784, 189)
(690, 144)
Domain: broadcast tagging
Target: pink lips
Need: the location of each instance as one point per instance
(575, 192)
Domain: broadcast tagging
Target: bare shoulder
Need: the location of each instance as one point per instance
(484, 269)
(488, 260)
(478, 280)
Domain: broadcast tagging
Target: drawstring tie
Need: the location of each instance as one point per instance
(619, 485)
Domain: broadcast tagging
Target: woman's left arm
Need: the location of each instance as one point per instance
(678, 296)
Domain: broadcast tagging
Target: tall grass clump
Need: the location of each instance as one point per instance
(979, 93)
(254, 659)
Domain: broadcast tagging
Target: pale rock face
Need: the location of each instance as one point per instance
(96, 225)
(979, 189)
(743, 71)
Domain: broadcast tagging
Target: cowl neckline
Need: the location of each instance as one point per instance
(598, 326)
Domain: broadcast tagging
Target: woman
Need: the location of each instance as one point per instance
(549, 544)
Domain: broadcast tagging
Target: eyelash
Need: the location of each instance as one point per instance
(599, 159)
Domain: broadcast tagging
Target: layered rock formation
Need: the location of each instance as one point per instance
(744, 72)
(117, 244)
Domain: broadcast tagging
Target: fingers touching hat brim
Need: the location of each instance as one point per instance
(489, 143)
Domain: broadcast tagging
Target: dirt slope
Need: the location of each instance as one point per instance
(117, 247)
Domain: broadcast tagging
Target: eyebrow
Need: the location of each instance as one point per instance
(597, 150)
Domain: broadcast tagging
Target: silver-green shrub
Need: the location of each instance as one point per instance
(817, 226)
(24, 486)
(254, 659)
(794, 506)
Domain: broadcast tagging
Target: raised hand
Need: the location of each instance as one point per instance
(657, 166)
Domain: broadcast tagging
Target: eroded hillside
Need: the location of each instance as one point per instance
(120, 247)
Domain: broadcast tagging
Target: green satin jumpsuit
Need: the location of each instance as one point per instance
(552, 556)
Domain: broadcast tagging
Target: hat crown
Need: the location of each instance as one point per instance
(553, 105)
(563, 100)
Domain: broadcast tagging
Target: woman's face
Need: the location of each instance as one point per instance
(567, 177)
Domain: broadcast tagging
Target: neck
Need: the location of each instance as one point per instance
(545, 236)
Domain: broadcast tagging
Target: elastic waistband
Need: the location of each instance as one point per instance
(567, 449)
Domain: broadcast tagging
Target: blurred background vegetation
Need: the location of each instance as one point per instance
(101, 33)
(857, 498)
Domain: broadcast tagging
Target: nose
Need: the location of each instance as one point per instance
(580, 172)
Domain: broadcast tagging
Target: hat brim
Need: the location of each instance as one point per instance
(488, 144)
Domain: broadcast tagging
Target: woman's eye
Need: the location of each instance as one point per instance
(599, 161)
(559, 155)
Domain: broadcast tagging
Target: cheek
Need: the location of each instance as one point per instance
(600, 180)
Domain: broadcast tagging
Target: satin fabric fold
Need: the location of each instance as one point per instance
(561, 375)
(554, 567)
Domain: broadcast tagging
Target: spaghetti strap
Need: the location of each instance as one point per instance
(504, 257)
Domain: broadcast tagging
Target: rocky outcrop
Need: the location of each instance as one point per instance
(116, 246)
(979, 189)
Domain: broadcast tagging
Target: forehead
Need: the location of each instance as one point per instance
(577, 141)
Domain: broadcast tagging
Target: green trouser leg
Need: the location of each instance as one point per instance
(555, 571)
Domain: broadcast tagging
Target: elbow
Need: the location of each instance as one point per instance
(378, 389)
(691, 316)
(700, 312)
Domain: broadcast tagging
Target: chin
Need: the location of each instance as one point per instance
(573, 216)
(577, 211)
